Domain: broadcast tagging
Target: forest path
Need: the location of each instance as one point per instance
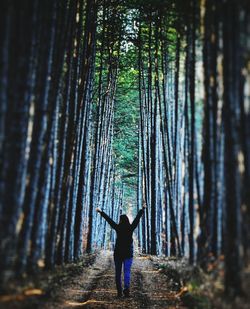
(90, 283)
(156, 282)
(95, 288)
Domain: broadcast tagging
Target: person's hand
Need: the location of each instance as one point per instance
(98, 210)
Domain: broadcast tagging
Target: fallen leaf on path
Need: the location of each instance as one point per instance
(182, 291)
(32, 292)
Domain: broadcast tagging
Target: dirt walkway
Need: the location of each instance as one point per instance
(156, 282)
(96, 288)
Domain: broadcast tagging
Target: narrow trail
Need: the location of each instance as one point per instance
(95, 288)
(156, 282)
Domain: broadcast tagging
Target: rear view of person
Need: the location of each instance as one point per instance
(123, 253)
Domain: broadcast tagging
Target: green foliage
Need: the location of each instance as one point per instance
(195, 301)
(127, 110)
(126, 119)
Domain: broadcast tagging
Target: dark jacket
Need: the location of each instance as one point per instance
(124, 240)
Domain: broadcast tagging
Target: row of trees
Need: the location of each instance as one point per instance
(59, 64)
(168, 137)
(60, 123)
(226, 137)
(195, 179)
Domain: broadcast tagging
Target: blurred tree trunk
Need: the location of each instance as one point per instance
(17, 80)
(231, 69)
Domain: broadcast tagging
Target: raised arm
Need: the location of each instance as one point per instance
(107, 218)
(137, 218)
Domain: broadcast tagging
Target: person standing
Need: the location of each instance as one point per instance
(123, 253)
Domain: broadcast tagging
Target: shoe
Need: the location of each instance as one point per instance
(119, 294)
(126, 292)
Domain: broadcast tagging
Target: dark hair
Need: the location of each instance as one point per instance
(124, 221)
